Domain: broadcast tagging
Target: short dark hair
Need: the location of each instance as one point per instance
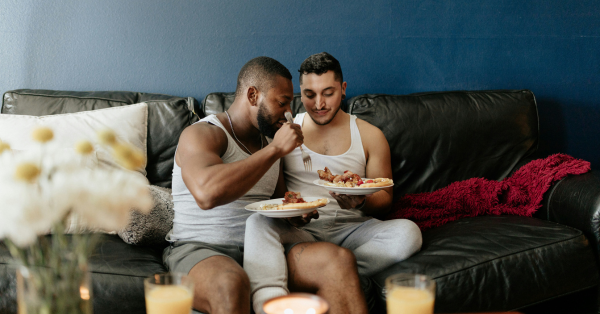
(320, 63)
(261, 73)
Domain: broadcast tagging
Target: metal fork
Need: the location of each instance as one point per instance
(305, 157)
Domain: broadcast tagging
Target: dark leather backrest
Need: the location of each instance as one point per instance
(167, 117)
(215, 103)
(439, 138)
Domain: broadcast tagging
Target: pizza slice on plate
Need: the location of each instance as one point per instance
(293, 200)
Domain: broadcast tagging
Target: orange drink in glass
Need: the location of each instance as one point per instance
(169, 293)
(409, 294)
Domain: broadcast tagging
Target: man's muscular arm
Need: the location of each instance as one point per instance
(213, 183)
(377, 151)
(379, 165)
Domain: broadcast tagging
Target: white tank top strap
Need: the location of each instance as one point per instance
(232, 146)
(356, 139)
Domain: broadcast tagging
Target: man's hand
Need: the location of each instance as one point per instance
(348, 201)
(301, 221)
(287, 138)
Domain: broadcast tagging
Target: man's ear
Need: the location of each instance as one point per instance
(344, 88)
(252, 95)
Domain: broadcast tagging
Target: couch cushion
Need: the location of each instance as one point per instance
(129, 123)
(215, 103)
(113, 256)
(439, 138)
(167, 117)
(118, 271)
(500, 263)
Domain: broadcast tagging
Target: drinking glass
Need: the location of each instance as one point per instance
(169, 293)
(410, 294)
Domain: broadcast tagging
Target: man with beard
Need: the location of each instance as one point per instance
(341, 142)
(223, 163)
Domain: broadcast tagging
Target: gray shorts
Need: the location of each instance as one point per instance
(182, 256)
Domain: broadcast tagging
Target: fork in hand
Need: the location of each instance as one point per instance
(305, 157)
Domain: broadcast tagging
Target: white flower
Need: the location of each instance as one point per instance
(26, 208)
(68, 183)
(102, 198)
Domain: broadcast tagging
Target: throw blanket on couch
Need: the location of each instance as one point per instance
(520, 194)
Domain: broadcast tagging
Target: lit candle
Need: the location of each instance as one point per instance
(296, 303)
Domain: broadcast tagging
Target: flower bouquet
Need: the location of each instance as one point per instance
(44, 193)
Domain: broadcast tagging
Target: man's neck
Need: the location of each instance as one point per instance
(242, 123)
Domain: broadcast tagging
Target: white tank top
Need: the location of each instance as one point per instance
(299, 180)
(225, 224)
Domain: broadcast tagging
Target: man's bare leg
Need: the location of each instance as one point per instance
(221, 286)
(329, 271)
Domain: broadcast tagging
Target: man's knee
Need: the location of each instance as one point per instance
(232, 282)
(414, 237)
(258, 222)
(407, 241)
(219, 277)
(338, 260)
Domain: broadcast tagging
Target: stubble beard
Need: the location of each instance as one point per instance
(264, 119)
(328, 121)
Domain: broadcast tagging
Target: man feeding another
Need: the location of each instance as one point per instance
(223, 163)
(340, 142)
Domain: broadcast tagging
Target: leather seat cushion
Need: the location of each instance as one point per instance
(499, 263)
(118, 271)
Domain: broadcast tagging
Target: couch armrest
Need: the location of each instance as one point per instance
(575, 202)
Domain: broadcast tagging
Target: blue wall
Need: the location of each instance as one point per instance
(192, 48)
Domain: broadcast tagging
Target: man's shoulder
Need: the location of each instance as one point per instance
(203, 129)
(367, 129)
(204, 134)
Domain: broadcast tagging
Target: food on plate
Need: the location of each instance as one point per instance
(293, 200)
(351, 180)
(377, 182)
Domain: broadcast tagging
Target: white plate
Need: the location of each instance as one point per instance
(350, 191)
(284, 213)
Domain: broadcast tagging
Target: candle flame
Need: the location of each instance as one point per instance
(288, 311)
(311, 311)
(84, 292)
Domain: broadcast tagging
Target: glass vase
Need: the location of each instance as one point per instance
(66, 290)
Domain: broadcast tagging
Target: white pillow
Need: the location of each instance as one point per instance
(130, 124)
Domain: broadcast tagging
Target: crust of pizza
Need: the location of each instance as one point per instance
(304, 205)
(314, 204)
(377, 183)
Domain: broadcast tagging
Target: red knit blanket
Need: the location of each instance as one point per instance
(520, 194)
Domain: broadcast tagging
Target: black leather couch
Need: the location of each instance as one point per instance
(480, 264)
